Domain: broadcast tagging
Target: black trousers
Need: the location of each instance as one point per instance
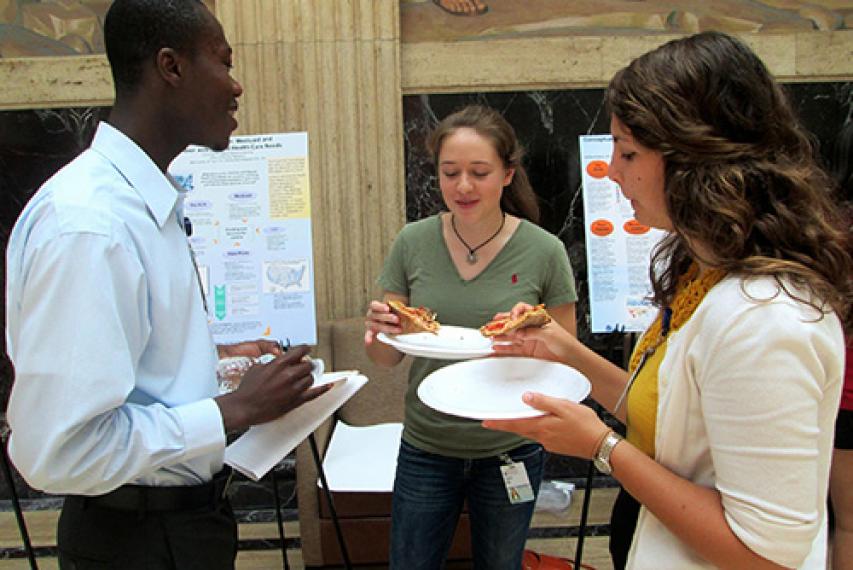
(91, 537)
(623, 523)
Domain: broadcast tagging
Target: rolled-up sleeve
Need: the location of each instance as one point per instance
(763, 394)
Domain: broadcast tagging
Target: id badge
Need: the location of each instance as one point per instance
(517, 483)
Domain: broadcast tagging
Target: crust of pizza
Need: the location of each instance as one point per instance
(414, 320)
(535, 317)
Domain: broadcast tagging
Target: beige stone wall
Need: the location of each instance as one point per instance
(590, 61)
(338, 69)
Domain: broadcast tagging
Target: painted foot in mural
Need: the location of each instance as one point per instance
(462, 7)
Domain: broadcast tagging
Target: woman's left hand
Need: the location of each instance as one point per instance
(549, 342)
(566, 428)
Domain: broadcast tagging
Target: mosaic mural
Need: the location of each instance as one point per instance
(34, 28)
(450, 20)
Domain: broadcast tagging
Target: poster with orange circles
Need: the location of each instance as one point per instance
(247, 215)
(618, 248)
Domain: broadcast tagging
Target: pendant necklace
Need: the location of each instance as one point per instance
(472, 251)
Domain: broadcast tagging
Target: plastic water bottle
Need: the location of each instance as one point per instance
(230, 370)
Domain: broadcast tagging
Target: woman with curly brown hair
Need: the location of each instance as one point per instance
(731, 394)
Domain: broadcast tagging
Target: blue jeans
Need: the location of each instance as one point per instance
(429, 492)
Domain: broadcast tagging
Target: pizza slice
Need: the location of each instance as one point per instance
(535, 317)
(414, 320)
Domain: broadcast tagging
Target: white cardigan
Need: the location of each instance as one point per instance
(748, 394)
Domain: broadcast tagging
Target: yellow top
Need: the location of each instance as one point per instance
(642, 404)
(642, 401)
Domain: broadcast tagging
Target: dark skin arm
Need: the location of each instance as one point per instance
(269, 391)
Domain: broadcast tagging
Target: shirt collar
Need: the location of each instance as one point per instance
(159, 191)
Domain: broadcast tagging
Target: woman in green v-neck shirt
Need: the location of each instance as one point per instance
(479, 258)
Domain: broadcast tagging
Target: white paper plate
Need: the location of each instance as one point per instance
(491, 388)
(451, 343)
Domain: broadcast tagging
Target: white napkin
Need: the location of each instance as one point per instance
(259, 449)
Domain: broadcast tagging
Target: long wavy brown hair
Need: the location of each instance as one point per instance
(742, 178)
(518, 198)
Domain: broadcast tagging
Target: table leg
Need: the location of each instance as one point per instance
(584, 512)
(16, 505)
(279, 519)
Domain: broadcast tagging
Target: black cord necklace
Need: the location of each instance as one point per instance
(472, 251)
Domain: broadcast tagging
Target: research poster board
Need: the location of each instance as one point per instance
(248, 210)
(618, 248)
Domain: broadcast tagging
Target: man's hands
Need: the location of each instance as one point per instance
(269, 391)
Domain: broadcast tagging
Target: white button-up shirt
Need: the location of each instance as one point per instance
(114, 361)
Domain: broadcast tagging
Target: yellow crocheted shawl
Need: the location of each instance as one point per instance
(691, 289)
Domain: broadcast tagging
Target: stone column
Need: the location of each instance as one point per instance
(331, 68)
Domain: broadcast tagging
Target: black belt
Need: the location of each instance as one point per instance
(144, 499)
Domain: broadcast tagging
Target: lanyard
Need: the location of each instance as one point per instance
(622, 397)
(187, 226)
(666, 320)
(198, 277)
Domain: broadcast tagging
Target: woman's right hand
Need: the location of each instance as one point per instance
(549, 342)
(379, 319)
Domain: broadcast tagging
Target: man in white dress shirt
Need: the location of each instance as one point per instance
(115, 401)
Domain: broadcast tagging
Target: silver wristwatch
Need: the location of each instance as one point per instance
(601, 460)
